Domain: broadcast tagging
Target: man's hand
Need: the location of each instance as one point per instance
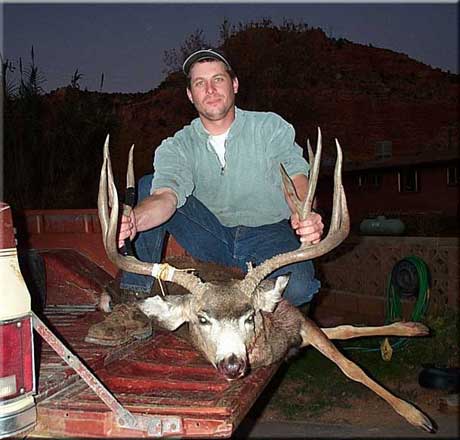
(151, 212)
(128, 228)
(309, 230)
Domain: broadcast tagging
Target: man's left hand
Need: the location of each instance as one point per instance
(309, 230)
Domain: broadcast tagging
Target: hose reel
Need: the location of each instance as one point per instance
(409, 278)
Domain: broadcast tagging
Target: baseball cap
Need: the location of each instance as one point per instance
(203, 54)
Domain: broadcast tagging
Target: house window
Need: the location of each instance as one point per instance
(383, 149)
(369, 180)
(453, 175)
(375, 180)
(408, 180)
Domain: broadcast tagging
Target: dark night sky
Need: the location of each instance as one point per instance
(127, 41)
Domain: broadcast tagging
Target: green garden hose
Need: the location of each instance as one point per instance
(393, 300)
(393, 307)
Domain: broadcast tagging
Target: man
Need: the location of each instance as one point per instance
(217, 189)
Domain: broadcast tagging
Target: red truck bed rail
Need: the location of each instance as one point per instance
(76, 229)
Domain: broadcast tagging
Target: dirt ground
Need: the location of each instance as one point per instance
(367, 409)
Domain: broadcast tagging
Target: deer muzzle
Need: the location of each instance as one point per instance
(232, 367)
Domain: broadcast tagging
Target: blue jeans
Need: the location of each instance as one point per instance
(201, 234)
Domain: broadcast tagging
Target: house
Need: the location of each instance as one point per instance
(421, 189)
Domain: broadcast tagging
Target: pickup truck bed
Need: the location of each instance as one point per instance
(163, 376)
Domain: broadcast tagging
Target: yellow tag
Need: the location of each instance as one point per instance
(386, 350)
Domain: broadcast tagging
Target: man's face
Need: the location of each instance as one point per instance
(212, 91)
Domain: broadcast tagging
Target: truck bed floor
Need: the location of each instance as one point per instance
(163, 376)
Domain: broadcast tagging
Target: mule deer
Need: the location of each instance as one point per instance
(244, 324)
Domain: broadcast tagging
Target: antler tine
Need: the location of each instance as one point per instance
(130, 192)
(315, 159)
(130, 172)
(340, 227)
(290, 190)
(102, 203)
(337, 213)
(108, 197)
(304, 208)
(109, 223)
(311, 155)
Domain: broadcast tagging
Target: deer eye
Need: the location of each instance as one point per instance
(249, 319)
(202, 320)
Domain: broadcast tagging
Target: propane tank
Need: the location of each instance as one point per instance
(382, 226)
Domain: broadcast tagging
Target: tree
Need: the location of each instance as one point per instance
(8, 86)
(75, 80)
(32, 78)
(52, 147)
(174, 58)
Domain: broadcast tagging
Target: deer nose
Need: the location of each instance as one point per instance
(232, 367)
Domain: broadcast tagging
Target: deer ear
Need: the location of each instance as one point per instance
(269, 293)
(170, 311)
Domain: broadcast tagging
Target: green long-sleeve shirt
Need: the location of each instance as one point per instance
(248, 190)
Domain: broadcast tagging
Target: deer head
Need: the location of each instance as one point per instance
(224, 318)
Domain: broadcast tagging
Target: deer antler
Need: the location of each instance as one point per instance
(338, 231)
(108, 197)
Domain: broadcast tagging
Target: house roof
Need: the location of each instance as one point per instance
(421, 159)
